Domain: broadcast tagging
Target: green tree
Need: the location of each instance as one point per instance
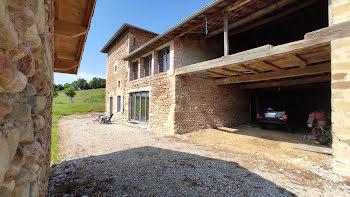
(70, 91)
(81, 84)
(60, 87)
(66, 85)
(97, 83)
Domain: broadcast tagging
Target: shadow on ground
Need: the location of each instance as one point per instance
(150, 171)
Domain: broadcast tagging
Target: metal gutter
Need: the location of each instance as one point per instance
(192, 16)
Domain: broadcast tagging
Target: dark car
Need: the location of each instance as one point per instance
(273, 118)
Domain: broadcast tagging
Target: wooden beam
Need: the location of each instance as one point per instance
(68, 29)
(216, 73)
(253, 16)
(249, 68)
(301, 61)
(272, 18)
(226, 41)
(295, 72)
(333, 32)
(237, 4)
(233, 71)
(290, 82)
(269, 65)
(65, 63)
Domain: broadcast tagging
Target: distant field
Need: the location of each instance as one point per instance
(84, 101)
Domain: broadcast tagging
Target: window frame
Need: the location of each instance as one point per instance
(147, 64)
(166, 56)
(134, 70)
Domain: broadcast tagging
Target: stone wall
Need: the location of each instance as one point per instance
(115, 55)
(26, 77)
(340, 12)
(201, 104)
(160, 88)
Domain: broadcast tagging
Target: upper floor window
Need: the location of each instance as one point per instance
(134, 70)
(148, 66)
(115, 66)
(163, 60)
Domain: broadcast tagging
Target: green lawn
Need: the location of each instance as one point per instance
(84, 101)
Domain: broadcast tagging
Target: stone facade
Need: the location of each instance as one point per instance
(201, 104)
(26, 78)
(340, 12)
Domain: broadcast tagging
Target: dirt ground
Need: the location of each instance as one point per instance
(130, 160)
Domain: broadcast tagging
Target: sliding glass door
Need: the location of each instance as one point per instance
(139, 107)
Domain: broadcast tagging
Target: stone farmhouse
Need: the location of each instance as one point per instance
(217, 66)
(37, 38)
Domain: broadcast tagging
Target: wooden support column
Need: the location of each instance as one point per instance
(226, 41)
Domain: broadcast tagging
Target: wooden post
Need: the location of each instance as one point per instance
(226, 41)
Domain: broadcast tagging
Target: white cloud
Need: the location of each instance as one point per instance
(61, 78)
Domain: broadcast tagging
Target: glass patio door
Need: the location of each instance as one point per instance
(139, 107)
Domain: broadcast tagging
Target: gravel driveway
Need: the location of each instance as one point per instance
(121, 160)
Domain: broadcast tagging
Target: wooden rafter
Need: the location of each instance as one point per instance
(234, 72)
(324, 36)
(68, 29)
(295, 72)
(299, 60)
(216, 73)
(253, 16)
(289, 82)
(65, 63)
(248, 68)
(272, 18)
(237, 4)
(269, 65)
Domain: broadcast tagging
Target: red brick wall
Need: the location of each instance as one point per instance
(202, 104)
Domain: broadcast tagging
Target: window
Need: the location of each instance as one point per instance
(163, 60)
(148, 66)
(115, 66)
(120, 104)
(134, 70)
(139, 107)
(118, 84)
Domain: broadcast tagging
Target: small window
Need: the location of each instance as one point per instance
(134, 70)
(134, 41)
(163, 60)
(148, 66)
(118, 84)
(115, 66)
(119, 104)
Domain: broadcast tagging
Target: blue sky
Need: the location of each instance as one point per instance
(153, 15)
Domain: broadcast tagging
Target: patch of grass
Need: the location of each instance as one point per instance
(84, 101)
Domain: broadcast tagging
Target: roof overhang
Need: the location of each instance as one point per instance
(308, 57)
(120, 32)
(72, 23)
(208, 21)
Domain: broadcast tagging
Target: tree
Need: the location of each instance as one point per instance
(70, 91)
(55, 92)
(66, 85)
(60, 87)
(81, 84)
(97, 83)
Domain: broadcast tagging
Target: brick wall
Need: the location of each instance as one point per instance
(26, 78)
(340, 12)
(202, 104)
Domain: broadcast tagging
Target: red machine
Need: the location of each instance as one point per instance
(320, 125)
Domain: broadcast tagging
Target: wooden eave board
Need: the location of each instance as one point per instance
(70, 46)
